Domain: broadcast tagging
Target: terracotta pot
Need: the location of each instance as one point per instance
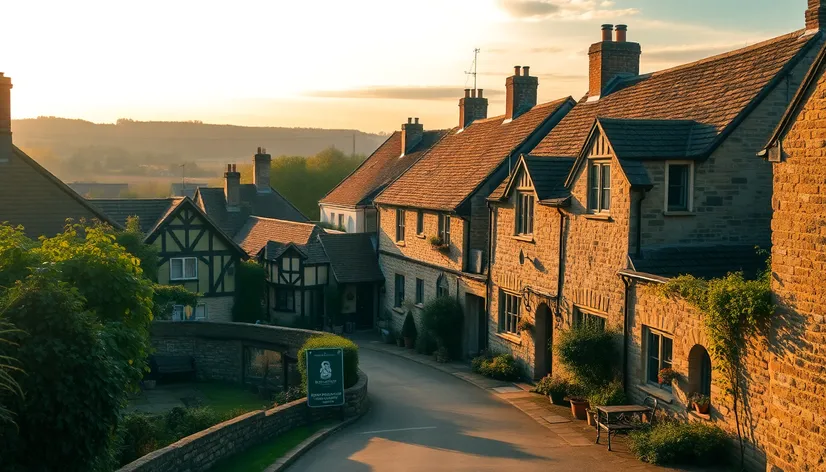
(579, 407)
(703, 410)
(408, 343)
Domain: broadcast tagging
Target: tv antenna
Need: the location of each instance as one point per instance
(472, 70)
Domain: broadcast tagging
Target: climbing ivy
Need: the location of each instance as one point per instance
(733, 309)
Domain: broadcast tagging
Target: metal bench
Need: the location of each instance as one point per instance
(172, 365)
(615, 419)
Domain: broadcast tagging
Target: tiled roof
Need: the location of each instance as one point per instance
(656, 139)
(454, 168)
(258, 231)
(381, 168)
(703, 261)
(352, 257)
(715, 93)
(548, 176)
(269, 205)
(149, 211)
(313, 251)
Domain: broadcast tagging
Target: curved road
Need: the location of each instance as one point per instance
(422, 419)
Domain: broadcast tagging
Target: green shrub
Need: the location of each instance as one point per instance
(139, 436)
(680, 443)
(589, 354)
(181, 422)
(287, 396)
(426, 344)
(351, 357)
(442, 318)
(409, 326)
(500, 367)
(611, 394)
(555, 387)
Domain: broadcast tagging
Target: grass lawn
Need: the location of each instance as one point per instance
(224, 398)
(258, 458)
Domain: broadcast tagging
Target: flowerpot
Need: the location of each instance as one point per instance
(579, 407)
(408, 343)
(592, 417)
(557, 398)
(149, 384)
(702, 409)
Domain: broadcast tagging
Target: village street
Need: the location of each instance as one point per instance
(422, 419)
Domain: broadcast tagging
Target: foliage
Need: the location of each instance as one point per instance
(351, 357)
(733, 310)
(250, 292)
(139, 435)
(425, 343)
(666, 376)
(589, 354)
(499, 367)
(555, 387)
(699, 399)
(8, 366)
(409, 327)
(608, 395)
(438, 244)
(679, 443)
(132, 238)
(327, 225)
(442, 318)
(441, 355)
(165, 296)
(287, 396)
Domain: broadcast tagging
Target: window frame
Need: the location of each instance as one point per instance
(508, 319)
(651, 377)
(341, 222)
(689, 191)
(583, 315)
(419, 222)
(183, 276)
(598, 206)
(398, 290)
(400, 229)
(419, 291)
(442, 287)
(287, 305)
(444, 228)
(525, 206)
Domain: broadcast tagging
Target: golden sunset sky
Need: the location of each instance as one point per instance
(364, 64)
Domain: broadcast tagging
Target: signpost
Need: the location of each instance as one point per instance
(325, 377)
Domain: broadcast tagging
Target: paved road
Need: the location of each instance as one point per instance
(423, 419)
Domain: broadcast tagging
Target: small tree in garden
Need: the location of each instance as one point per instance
(409, 327)
(442, 318)
(590, 354)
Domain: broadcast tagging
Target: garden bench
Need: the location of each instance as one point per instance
(614, 419)
(172, 365)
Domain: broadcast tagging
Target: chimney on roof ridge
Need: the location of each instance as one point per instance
(411, 135)
(816, 16)
(5, 118)
(610, 59)
(472, 107)
(261, 166)
(520, 91)
(232, 187)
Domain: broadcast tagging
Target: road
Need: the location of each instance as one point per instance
(422, 419)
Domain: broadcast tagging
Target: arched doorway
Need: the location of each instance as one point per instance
(699, 370)
(542, 336)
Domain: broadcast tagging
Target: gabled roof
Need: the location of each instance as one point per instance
(716, 93)
(257, 231)
(463, 160)
(378, 170)
(150, 211)
(656, 139)
(270, 205)
(353, 258)
(700, 261)
(548, 177)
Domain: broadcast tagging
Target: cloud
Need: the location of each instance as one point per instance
(400, 93)
(563, 9)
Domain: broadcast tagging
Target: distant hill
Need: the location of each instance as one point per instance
(184, 141)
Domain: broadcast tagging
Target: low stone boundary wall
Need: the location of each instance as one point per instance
(202, 450)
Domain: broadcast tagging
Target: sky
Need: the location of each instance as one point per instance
(354, 64)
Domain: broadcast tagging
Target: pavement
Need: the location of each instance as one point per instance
(427, 416)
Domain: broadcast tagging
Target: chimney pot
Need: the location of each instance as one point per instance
(409, 120)
(232, 188)
(416, 120)
(622, 33)
(606, 32)
(467, 93)
(526, 71)
(516, 70)
(479, 94)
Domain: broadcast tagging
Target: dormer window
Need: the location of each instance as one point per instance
(599, 187)
(679, 179)
(524, 213)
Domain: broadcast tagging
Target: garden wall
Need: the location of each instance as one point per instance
(202, 450)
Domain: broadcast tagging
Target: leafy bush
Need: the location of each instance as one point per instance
(442, 318)
(611, 394)
(499, 367)
(139, 434)
(441, 355)
(555, 387)
(181, 422)
(287, 396)
(351, 357)
(409, 326)
(680, 443)
(426, 344)
(589, 354)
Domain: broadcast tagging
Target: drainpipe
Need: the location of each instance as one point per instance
(488, 282)
(560, 263)
(639, 223)
(625, 330)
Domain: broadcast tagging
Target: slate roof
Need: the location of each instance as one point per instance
(656, 139)
(453, 169)
(715, 93)
(257, 231)
(150, 211)
(703, 261)
(270, 205)
(378, 170)
(548, 176)
(353, 258)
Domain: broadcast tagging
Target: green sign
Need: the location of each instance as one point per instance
(325, 377)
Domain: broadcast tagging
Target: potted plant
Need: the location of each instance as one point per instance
(438, 244)
(579, 407)
(555, 387)
(666, 376)
(409, 331)
(700, 402)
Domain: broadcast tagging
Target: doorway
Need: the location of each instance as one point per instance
(364, 306)
(476, 336)
(543, 339)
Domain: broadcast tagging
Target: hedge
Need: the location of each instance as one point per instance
(351, 357)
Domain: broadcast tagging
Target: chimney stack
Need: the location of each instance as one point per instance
(261, 165)
(471, 108)
(520, 92)
(816, 16)
(411, 135)
(232, 188)
(5, 118)
(610, 59)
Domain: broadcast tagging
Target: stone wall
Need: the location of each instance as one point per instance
(418, 247)
(219, 309)
(202, 450)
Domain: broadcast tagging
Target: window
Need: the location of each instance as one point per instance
(420, 222)
(341, 222)
(508, 312)
(442, 288)
(658, 354)
(186, 313)
(178, 312)
(444, 229)
(398, 295)
(201, 312)
(290, 269)
(399, 225)
(524, 213)
(599, 187)
(699, 371)
(679, 179)
(285, 300)
(585, 318)
(332, 218)
(419, 291)
(183, 268)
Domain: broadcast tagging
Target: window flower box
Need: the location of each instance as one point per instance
(438, 244)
